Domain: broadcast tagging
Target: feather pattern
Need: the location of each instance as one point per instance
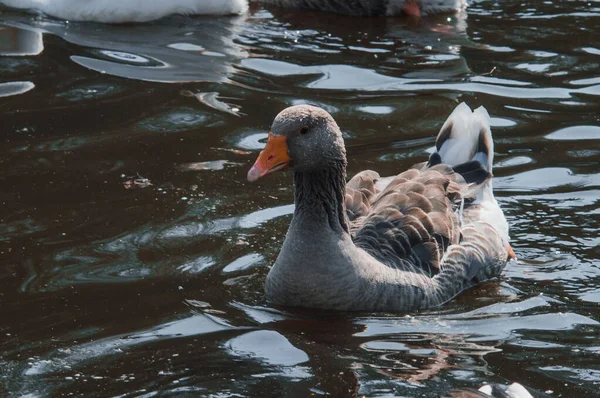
(411, 222)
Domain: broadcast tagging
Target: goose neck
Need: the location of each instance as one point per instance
(319, 197)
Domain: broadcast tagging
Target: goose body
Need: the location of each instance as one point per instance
(374, 7)
(119, 11)
(401, 243)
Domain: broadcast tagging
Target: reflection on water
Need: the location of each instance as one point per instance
(20, 42)
(172, 50)
(15, 88)
(159, 289)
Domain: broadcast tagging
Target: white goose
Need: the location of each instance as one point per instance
(120, 11)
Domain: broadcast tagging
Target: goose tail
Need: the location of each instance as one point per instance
(465, 143)
(465, 137)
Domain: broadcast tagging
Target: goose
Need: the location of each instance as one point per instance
(515, 390)
(396, 244)
(363, 8)
(119, 11)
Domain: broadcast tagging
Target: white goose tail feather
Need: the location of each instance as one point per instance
(465, 137)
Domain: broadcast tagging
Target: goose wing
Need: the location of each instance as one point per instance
(438, 216)
(410, 223)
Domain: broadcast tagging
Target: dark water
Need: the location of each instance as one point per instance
(157, 290)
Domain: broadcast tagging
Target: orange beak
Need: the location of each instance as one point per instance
(274, 157)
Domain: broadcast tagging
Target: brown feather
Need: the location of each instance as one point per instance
(394, 183)
(413, 218)
(365, 180)
(411, 186)
(416, 223)
(409, 174)
(416, 200)
(389, 199)
(435, 192)
(423, 217)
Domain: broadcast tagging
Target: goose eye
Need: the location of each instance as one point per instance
(304, 130)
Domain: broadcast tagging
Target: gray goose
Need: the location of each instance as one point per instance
(369, 8)
(401, 243)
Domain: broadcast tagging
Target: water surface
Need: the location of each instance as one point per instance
(133, 251)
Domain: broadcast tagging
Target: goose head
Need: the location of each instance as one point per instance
(303, 137)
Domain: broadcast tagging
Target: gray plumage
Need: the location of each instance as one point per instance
(369, 8)
(403, 243)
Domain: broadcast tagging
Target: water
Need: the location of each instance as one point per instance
(157, 289)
